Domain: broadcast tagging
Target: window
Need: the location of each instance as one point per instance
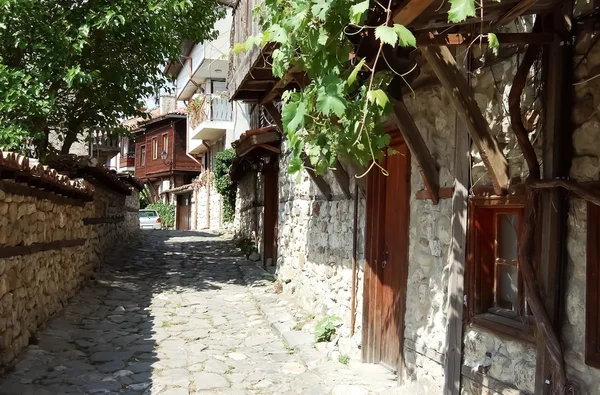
(495, 291)
(155, 148)
(143, 155)
(165, 143)
(592, 319)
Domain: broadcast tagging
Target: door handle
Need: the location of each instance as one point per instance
(385, 257)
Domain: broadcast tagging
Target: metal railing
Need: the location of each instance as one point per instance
(211, 108)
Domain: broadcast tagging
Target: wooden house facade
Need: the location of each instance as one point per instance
(473, 267)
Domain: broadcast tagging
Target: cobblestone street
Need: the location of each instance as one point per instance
(182, 313)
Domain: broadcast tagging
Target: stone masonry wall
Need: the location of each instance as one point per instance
(34, 287)
(584, 167)
(213, 210)
(429, 244)
(315, 248)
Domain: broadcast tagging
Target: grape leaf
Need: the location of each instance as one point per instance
(354, 74)
(387, 35)
(357, 11)
(295, 165)
(330, 97)
(461, 10)
(493, 43)
(293, 116)
(405, 36)
(378, 96)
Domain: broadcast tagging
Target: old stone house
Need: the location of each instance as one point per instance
(424, 266)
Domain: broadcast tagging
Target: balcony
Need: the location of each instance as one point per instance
(104, 145)
(209, 116)
(127, 162)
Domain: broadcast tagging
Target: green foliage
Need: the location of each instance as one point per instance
(326, 328)
(71, 66)
(247, 246)
(223, 183)
(494, 43)
(343, 359)
(339, 112)
(166, 212)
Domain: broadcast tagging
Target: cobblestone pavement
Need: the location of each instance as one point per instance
(181, 313)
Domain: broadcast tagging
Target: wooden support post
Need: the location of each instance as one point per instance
(317, 179)
(342, 178)
(418, 148)
(454, 326)
(444, 66)
(554, 204)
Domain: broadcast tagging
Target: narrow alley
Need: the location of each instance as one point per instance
(177, 313)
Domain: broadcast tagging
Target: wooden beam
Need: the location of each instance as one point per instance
(317, 179)
(514, 12)
(458, 256)
(409, 11)
(418, 148)
(430, 39)
(275, 91)
(444, 193)
(444, 66)
(342, 178)
(556, 162)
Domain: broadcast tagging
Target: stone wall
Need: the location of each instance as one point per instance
(584, 167)
(206, 212)
(35, 286)
(429, 243)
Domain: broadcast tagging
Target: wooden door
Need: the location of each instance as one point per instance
(386, 272)
(271, 206)
(184, 211)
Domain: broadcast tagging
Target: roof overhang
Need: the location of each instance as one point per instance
(174, 68)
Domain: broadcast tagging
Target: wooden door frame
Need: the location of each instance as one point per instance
(374, 228)
(274, 173)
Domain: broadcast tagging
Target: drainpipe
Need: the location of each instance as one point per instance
(354, 265)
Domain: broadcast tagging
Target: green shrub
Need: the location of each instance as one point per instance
(247, 246)
(326, 328)
(223, 183)
(344, 359)
(166, 213)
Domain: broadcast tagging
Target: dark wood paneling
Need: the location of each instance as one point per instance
(592, 316)
(387, 259)
(103, 220)
(25, 190)
(6, 252)
(177, 158)
(184, 211)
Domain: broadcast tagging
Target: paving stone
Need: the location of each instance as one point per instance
(110, 367)
(215, 366)
(172, 313)
(208, 381)
(107, 356)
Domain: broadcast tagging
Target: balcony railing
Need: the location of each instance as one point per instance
(209, 108)
(127, 160)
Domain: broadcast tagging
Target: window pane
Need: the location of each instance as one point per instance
(507, 287)
(507, 236)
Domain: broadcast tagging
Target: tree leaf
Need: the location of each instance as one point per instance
(493, 43)
(354, 74)
(387, 35)
(357, 11)
(405, 36)
(460, 10)
(378, 96)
